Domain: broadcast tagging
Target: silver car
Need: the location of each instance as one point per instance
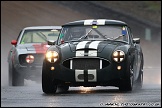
(25, 58)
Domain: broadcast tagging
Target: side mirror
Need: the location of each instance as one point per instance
(136, 40)
(50, 42)
(14, 42)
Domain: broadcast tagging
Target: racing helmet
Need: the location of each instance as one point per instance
(77, 32)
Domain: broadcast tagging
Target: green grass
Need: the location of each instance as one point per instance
(148, 10)
(153, 5)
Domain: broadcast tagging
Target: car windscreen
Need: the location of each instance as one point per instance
(39, 35)
(94, 32)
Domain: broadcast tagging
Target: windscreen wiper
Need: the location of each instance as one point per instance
(118, 37)
(84, 36)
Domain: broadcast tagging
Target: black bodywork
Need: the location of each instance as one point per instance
(83, 62)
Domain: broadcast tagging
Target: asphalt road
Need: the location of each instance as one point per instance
(31, 95)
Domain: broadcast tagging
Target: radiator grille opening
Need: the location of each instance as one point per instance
(86, 63)
(66, 64)
(105, 63)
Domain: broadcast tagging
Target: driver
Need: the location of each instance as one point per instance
(77, 32)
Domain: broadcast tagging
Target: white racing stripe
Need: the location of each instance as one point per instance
(93, 45)
(92, 53)
(93, 72)
(79, 53)
(88, 22)
(101, 22)
(80, 45)
(77, 72)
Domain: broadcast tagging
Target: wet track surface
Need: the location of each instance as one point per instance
(27, 96)
(32, 95)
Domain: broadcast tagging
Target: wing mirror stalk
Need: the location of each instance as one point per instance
(51, 42)
(136, 40)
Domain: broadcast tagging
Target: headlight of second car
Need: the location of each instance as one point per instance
(118, 56)
(52, 56)
(29, 59)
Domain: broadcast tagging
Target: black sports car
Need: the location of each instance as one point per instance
(25, 57)
(93, 53)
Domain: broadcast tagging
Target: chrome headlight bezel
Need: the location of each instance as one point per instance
(118, 56)
(52, 56)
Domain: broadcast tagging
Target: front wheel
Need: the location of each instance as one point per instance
(9, 74)
(139, 81)
(127, 84)
(15, 79)
(48, 85)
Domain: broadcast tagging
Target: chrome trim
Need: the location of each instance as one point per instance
(100, 64)
(86, 57)
(71, 64)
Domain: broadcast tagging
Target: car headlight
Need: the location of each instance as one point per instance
(52, 56)
(29, 58)
(118, 56)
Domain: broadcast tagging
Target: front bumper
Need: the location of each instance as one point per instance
(109, 75)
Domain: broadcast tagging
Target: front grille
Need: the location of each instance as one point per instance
(85, 64)
(38, 60)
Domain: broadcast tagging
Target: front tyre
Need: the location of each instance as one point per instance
(15, 79)
(9, 74)
(127, 84)
(139, 81)
(48, 86)
(63, 88)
